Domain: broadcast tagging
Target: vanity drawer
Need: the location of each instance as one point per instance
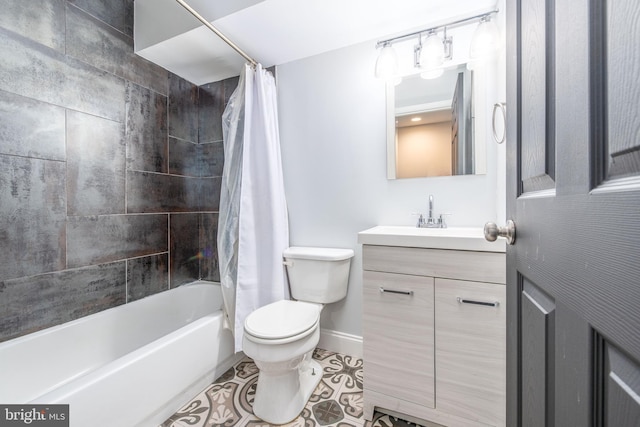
(399, 336)
(463, 265)
(470, 347)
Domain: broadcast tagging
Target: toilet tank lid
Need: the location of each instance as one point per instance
(322, 254)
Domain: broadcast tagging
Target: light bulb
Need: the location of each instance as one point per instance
(387, 63)
(485, 39)
(432, 57)
(432, 54)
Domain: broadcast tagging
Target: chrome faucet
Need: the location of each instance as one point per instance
(431, 222)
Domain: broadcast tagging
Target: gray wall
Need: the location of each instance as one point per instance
(109, 166)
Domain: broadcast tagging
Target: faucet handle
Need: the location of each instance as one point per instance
(441, 220)
(421, 220)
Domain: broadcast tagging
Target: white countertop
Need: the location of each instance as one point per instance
(456, 238)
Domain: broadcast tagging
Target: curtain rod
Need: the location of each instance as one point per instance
(217, 32)
(449, 24)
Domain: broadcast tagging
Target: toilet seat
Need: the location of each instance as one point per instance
(282, 321)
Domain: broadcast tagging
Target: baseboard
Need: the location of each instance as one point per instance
(340, 342)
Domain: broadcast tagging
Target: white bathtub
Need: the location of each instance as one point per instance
(132, 365)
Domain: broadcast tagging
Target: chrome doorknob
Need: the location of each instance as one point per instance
(492, 232)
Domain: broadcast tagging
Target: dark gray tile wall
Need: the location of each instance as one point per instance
(32, 224)
(202, 160)
(109, 166)
(210, 191)
(33, 303)
(184, 158)
(105, 238)
(147, 276)
(42, 22)
(209, 247)
(146, 132)
(183, 109)
(153, 192)
(231, 84)
(106, 48)
(95, 165)
(212, 98)
(185, 259)
(39, 72)
(31, 128)
(115, 13)
(212, 159)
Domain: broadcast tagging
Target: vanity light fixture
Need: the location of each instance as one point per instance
(416, 119)
(431, 55)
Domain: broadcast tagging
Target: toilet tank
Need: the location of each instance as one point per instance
(318, 275)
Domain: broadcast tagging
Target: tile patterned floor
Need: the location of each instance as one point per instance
(337, 401)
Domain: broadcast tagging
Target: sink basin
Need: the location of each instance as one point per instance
(458, 238)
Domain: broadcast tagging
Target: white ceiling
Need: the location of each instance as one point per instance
(424, 118)
(275, 32)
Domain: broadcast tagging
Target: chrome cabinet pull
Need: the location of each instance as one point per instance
(393, 291)
(470, 301)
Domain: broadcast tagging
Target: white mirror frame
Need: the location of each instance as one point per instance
(480, 114)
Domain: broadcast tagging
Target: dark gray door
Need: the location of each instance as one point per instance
(573, 190)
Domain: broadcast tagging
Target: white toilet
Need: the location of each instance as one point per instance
(280, 337)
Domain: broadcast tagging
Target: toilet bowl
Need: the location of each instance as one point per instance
(280, 337)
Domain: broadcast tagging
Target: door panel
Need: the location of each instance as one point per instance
(622, 389)
(538, 153)
(574, 335)
(538, 335)
(623, 90)
(615, 91)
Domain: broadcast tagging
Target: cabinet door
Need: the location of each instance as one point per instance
(398, 336)
(470, 349)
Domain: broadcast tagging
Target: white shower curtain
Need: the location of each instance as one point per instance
(253, 228)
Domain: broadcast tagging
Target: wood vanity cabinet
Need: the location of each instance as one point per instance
(434, 335)
(398, 326)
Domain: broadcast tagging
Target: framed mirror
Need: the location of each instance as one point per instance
(431, 126)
